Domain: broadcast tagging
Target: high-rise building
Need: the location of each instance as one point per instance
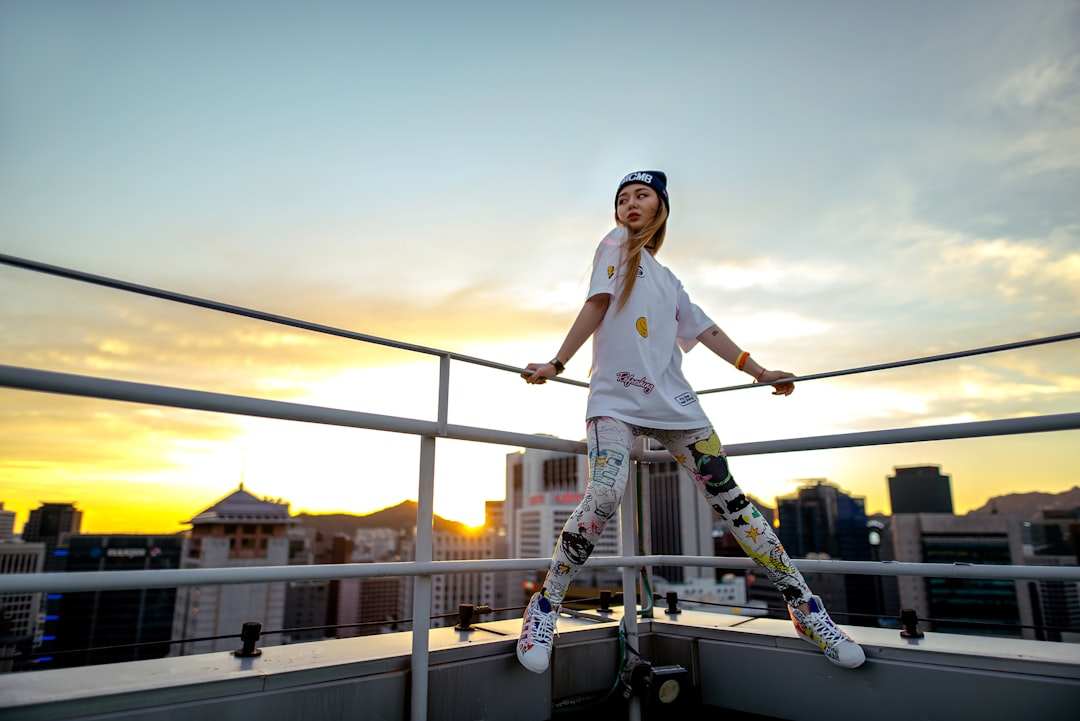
(1053, 539)
(879, 535)
(969, 606)
(342, 606)
(53, 524)
(679, 520)
(305, 611)
(368, 606)
(494, 515)
(20, 613)
(920, 489)
(92, 627)
(7, 524)
(542, 489)
(385, 603)
(240, 530)
(821, 521)
(507, 584)
(449, 590)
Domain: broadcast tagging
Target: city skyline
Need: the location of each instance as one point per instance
(770, 503)
(851, 184)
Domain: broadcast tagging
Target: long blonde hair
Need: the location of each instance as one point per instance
(652, 235)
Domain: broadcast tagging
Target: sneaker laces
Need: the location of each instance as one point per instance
(824, 627)
(543, 628)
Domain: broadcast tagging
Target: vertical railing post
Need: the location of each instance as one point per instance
(425, 512)
(644, 516)
(444, 394)
(628, 547)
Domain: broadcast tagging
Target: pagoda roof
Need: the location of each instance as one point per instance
(240, 506)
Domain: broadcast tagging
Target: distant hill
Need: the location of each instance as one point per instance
(399, 517)
(1028, 505)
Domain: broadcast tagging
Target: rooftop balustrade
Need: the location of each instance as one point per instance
(440, 673)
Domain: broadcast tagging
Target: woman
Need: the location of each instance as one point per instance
(641, 321)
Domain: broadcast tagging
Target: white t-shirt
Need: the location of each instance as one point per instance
(637, 351)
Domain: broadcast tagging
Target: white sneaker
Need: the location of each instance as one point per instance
(537, 628)
(820, 630)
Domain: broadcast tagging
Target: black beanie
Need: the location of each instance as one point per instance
(655, 179)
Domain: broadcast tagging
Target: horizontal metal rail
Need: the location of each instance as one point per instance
(208, 304)
(913, 361)
(104, 388)
(943, 432)
(175, 578)
(94, 387)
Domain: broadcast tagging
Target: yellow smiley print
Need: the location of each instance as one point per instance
(710, 446)
(643, 327)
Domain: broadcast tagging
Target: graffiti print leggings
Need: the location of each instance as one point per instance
(702, 458)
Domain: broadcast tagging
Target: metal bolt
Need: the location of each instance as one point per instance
(249, 636)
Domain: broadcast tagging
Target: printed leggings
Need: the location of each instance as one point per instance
(702, 458)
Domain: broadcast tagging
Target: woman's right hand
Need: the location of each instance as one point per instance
(540, 372)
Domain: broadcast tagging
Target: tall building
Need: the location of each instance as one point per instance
(53, 524)
(20, 613)
(305, 611)
(886, 589)
(368, 606)
(507, 584)
(680, 522)
(1053, 539)
(7, 524)
(542, 489)
(920, 489)
(238, 531)
(94, 627)
(306, 602)
(448, 590)
(969, 606)
(821, 518)
(823, 522)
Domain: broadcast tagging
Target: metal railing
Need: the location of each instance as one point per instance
(423, 568)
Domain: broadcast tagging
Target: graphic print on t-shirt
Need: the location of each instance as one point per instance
(629, 379)
(642, 326)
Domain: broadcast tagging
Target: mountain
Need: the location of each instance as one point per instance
(400, 517)
(1028, 505)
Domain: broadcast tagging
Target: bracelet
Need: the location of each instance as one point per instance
(559, 367)
(741, 360)
(757, 379)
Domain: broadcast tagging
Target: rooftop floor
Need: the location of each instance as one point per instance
(746, 668)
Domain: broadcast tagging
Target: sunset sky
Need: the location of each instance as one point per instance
(851, 183)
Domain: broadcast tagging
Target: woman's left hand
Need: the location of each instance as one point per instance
(772, 378)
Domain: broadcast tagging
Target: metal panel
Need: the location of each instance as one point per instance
(803, 686)
(493, 687)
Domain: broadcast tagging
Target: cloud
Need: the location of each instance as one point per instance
(771, 274)
(1039, 103)
(1019, 267)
